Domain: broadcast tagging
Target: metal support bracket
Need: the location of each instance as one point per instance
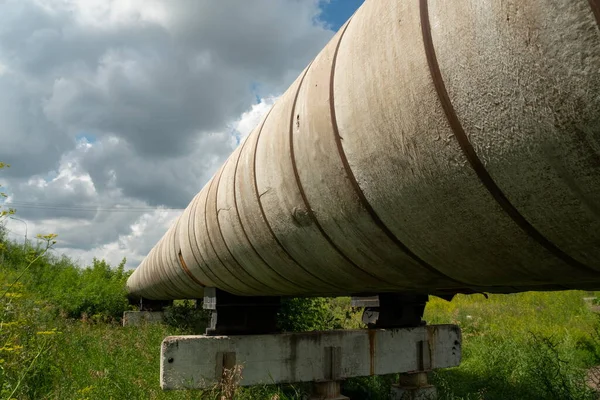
(238, 315)
(151, 305)
(392, 310)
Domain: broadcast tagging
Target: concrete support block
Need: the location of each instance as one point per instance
(330, 390)
(420, 393)
(413, 387)
(136, 318)
(196, 362)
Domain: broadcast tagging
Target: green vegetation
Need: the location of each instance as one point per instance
(4, 212)
(96, 292)
(526, 346)
(318, 313)
(61, 338)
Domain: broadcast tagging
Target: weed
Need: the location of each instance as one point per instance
(317, 313)
(187, 317)
(60, 338)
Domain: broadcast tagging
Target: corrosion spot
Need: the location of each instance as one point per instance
(372, 351)
(301, 217)
(187, 271)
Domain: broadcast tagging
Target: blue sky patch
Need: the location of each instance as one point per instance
(255, 88)
(88, 137)
(336, 12)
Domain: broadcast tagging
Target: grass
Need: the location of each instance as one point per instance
(61, 338)
(535, 345)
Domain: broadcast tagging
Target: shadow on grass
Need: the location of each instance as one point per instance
(454, 384)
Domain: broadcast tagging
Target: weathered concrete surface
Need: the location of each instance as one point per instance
(192, 362)
(432, 146)
(330, 390)
(419, 393)
(137, 318)
(413, 387)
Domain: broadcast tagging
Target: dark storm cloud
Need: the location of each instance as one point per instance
(157, 86)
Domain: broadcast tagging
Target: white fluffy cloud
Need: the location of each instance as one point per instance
(114, 113)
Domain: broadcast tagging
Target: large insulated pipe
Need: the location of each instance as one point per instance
(432, 146)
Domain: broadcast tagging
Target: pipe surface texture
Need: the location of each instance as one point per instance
(432, 146)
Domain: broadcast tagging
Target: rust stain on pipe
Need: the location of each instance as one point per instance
(372, 345)
(187, 271)
(595, 4)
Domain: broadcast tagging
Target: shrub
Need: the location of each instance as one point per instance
(96, 292)
(187, 317)
(317, 313)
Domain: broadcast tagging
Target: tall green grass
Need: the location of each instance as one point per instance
(535, 345)
(61, 338)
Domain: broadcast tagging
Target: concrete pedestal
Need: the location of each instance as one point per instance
(413, 387)
(136, 318)
(327, 391)
(420, 393)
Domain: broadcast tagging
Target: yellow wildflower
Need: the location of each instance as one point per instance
(52, 332)
(85, 390)
(9, 324)
(13, 348)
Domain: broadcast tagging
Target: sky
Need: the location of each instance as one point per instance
(115, 113)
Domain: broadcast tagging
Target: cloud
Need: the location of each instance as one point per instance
(133, 104)
(133, 245)
(100, 213)
(251, 118)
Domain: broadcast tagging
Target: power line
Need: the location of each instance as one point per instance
(88, 208)
(19, 202)
(28, 203)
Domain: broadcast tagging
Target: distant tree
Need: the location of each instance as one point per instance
(4, 212)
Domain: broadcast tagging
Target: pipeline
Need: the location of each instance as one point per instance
(432, 146)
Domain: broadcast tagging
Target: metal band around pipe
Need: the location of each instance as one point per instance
(206, 211)
(469, 152)
(262, 210)
(309, 210)
(595, 4)
(221, 232)
(237, 210)
(354, 182)
(187, 270)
